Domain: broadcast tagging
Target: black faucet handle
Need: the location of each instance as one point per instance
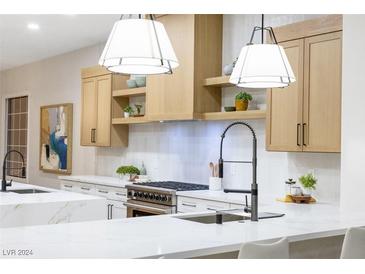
(9, 183)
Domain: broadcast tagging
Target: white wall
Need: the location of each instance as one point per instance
(51, 81)
(353, 114)
(174, 150)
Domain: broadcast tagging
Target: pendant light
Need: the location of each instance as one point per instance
(139, 46)
(262, 65)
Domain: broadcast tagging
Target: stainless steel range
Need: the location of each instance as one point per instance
(155, 198)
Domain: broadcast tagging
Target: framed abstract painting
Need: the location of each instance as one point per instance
(56, 139)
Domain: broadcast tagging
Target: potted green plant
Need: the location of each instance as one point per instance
(308, 182)
(242, 100)
(128, 111)
(132, 171)
(138, 108)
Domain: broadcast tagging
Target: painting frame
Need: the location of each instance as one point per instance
(67, 109)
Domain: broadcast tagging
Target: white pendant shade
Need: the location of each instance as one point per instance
(262, 66)
(135, 46)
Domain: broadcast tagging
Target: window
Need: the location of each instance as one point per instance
(17, 132)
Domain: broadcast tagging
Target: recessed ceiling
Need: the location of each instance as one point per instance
(57, 34)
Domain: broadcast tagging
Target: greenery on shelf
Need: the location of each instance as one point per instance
(128, 109)
(308, 181)
(244, 96)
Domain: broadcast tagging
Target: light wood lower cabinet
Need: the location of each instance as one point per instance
(96, 114)
(306, 116)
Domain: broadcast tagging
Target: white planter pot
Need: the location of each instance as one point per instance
(126, 115)
(307, 191)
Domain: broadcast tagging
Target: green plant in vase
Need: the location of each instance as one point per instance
(308, 181)
(128, 111)
(241, 101)
(132, 171)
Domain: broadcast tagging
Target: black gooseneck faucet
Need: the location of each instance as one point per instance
(253, 191)
(4, 183)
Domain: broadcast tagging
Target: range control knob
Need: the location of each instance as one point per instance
(135, 194)
(158, 197)
(145, 195)
(151, 196)
(140, 194)
(129, 193)
(164, 198)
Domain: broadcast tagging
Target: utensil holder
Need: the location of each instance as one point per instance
(215, 183)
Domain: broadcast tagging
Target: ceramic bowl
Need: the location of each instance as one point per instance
(131, 83)
(141, 81)
(227, 109)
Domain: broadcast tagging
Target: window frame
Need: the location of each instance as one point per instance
(4, 115)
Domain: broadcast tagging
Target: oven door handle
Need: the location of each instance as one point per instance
(146, 208)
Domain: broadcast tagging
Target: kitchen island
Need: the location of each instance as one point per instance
(50, 206)
(170, 237)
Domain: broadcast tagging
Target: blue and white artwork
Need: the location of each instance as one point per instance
(56, 136)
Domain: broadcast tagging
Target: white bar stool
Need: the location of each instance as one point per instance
(277, 250)
(354, 244)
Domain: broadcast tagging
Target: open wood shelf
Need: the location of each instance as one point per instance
(130, 92)
(130, 120)
(220, 81)
(234, 115)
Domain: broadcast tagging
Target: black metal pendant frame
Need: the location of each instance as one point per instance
(270, 30)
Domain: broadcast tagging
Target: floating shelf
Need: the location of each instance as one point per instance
(234, 115)
(130, 120)
(220, 81)
(129, 92)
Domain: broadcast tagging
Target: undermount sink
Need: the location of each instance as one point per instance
(211, 218)
(28, 191)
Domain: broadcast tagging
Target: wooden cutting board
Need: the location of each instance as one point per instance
(297, 199)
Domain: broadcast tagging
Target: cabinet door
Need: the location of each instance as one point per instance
(116, 210)
(103, 87)
(88, 115)
(322, 93)
(284, 113)
(171, 97)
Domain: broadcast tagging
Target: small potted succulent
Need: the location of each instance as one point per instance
(308, 182)
(242, 100)
(132, 171)
(128, 111)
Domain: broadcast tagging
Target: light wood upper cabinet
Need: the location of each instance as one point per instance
(88, 114)
(306, 116)
(96, 126)
(284, 113)
(197, 41)
(322, 93)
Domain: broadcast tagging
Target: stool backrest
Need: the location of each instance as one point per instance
(277, 250)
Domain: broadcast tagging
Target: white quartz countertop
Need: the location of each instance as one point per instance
(164, 235)
(97, 180)
(54, 195)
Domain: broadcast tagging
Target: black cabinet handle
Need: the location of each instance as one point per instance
(298, 135)
(111, 212)
(303, 137)
(108, 212)
(93, 135)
